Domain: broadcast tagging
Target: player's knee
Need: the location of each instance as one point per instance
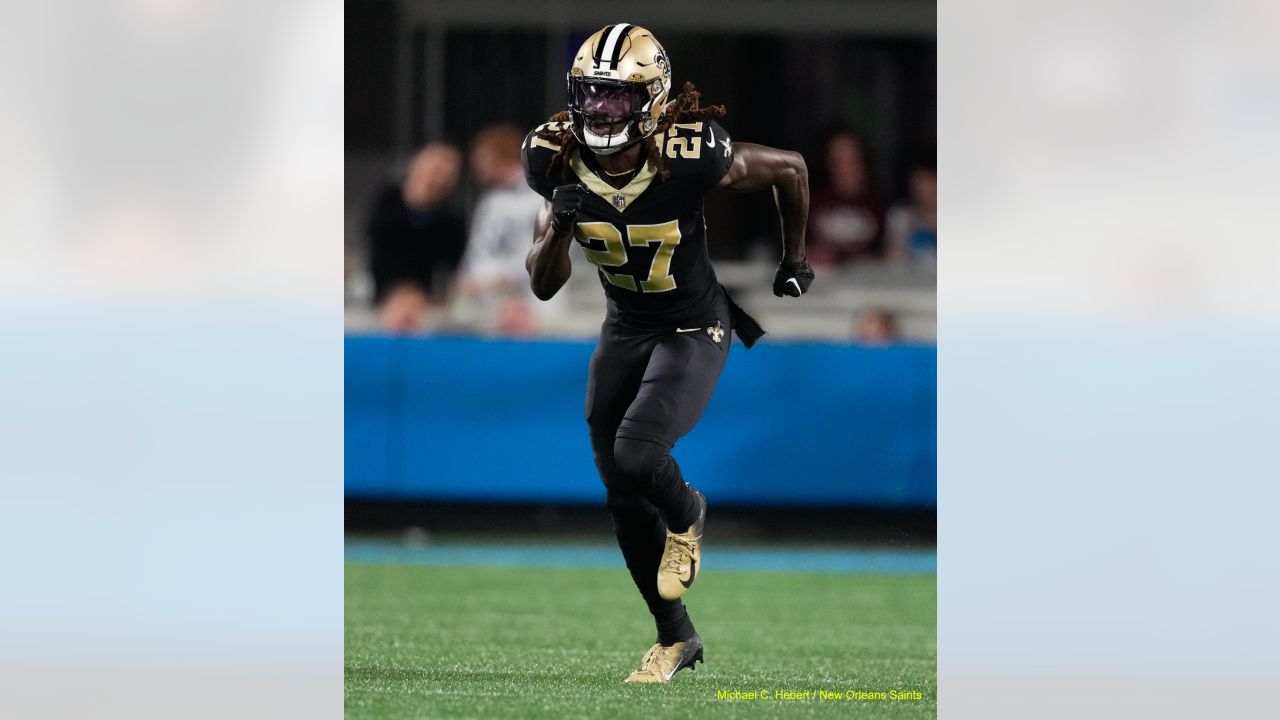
(638, 462)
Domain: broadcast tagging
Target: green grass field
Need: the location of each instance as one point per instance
(485, 642)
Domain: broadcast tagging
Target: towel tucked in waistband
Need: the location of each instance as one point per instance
(744, 326)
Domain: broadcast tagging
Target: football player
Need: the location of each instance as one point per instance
(623, 172)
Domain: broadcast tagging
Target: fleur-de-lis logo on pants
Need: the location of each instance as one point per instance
(716, 333)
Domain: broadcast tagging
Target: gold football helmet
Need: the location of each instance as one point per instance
(618, 87)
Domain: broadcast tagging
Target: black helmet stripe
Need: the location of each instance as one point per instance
(604, 36)
(613, 44)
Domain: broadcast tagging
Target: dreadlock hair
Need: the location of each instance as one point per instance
(686, 105)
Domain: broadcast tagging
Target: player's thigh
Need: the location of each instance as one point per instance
(681, 375)
(616, 370)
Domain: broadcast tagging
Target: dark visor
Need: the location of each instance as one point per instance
(607, 99)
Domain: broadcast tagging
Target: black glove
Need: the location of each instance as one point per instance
(566, 200)
(793, 279)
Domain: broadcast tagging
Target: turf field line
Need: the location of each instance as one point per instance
(885, 562)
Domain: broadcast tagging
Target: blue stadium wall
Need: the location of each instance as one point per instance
(475, 420)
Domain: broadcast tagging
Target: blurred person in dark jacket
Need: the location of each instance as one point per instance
(912, 232)
(416, 240)
(846, 217)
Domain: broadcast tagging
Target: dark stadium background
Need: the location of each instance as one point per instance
(789, 73)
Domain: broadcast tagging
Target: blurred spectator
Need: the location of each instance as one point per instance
(493, 283)
(846, 218)
(416, 240)
(913, 225)
(877, 326)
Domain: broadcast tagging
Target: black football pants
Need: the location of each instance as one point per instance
(644, 392)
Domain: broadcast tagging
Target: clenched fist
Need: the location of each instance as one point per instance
(566, 200)
(793, 279)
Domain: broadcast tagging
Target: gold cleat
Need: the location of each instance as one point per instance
(681, 556)
(662, 661)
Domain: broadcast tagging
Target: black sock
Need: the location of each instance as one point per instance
(675, 629)
(642, 534)
(655, 474)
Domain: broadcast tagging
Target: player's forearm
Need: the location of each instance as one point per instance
(548, 263)
(792, 191)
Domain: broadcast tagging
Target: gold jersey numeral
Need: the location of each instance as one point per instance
(613, 255)
(547, 127)
(539, 142)
(668, 235)
(689, 148)
(614, 252)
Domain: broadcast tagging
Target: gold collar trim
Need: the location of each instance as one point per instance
(619, 198)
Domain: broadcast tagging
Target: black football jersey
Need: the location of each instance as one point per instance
(648, 239)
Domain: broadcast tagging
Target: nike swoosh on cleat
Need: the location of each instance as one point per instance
(688, 329)
(693, 567)
(793, 282)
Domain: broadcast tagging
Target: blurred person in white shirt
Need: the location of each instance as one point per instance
(493, 286)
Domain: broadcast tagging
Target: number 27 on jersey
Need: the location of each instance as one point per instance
(595, 235)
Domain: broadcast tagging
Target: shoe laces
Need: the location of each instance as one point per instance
(650, 658)
(678, 561)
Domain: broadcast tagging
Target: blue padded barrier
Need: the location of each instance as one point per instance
(807, 424)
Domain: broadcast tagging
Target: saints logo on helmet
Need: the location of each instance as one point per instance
(618, 88)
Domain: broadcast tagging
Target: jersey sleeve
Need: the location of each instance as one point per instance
(721, 154)
(699, 151)
(535, 155)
